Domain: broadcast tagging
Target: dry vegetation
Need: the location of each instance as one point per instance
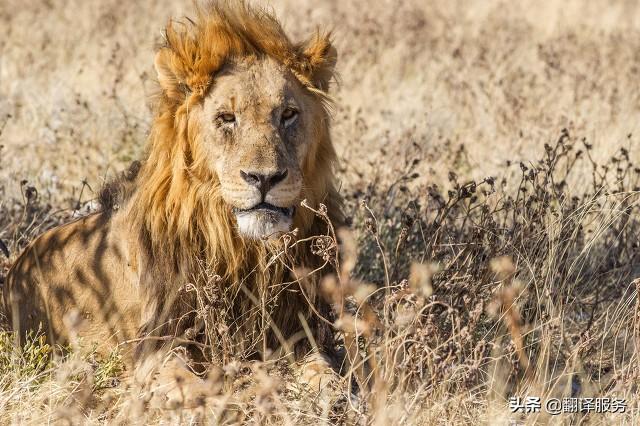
(489, 167)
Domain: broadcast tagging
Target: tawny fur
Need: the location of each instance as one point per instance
(166, 225)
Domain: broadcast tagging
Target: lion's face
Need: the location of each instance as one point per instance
(256, 132)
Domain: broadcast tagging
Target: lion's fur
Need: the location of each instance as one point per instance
(180, 227)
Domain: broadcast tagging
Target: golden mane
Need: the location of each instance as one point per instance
(178, 209)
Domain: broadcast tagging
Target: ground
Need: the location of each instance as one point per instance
(488, 161)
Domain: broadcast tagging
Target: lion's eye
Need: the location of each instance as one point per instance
(227, 117)
(288, 116)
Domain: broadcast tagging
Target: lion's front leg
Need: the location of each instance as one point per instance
(315, 372)
(321, 381)
(167, 381)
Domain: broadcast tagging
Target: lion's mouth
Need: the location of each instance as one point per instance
(266, 208)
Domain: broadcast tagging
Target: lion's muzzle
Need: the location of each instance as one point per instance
(271, 211)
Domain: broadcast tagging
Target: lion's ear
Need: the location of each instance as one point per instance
(321, 58)
(170, 76)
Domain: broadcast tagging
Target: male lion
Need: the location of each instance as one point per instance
(240, 137)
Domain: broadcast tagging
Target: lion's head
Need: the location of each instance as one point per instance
(241, 134)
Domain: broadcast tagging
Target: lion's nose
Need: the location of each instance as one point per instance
(264, 182)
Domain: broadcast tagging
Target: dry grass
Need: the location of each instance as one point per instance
(489, 167)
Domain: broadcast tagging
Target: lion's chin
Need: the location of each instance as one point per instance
(267, 222)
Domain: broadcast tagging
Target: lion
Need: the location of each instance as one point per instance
(240, 137)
